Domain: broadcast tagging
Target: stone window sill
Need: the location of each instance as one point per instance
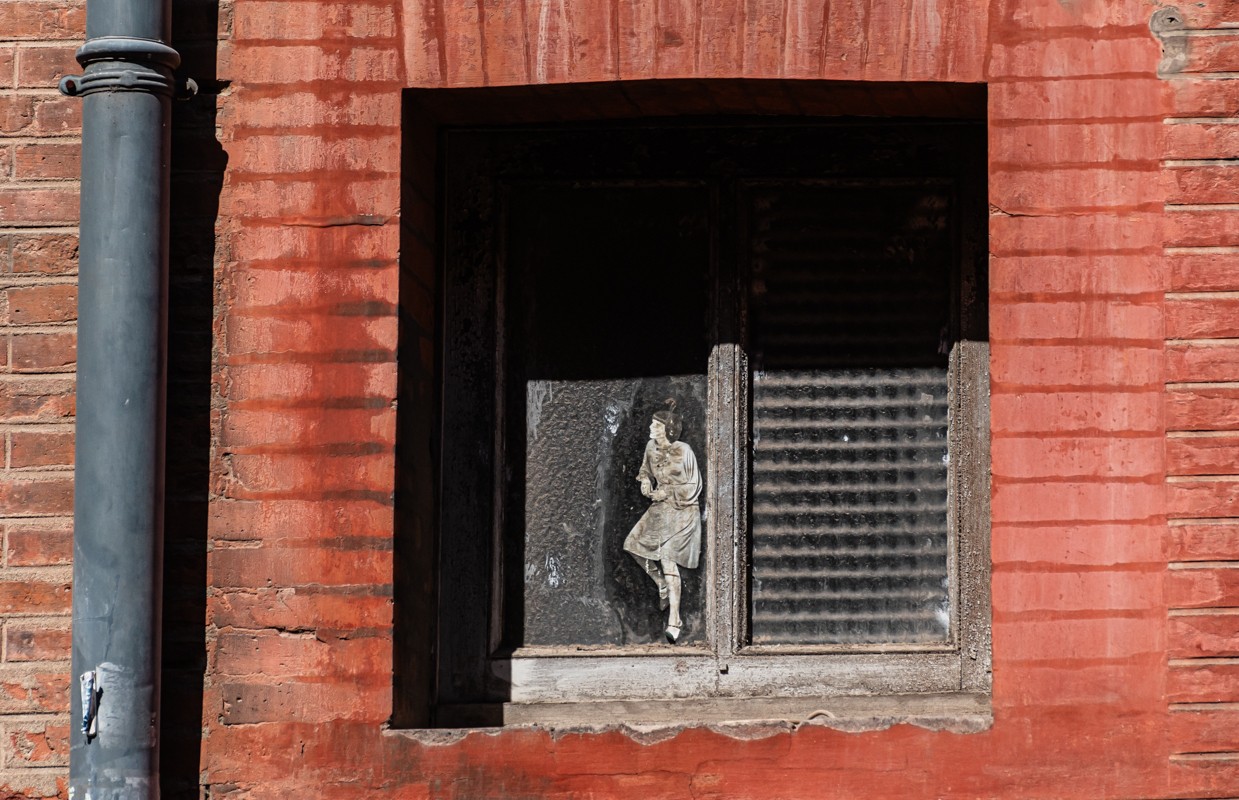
(655, 720)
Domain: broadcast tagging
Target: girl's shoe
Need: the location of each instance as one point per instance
(673, 633)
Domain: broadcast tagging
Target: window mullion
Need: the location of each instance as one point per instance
(725, 513)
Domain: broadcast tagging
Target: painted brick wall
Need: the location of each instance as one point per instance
(39, 136)
(300, 646)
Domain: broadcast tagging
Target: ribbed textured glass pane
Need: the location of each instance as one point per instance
(849, 303)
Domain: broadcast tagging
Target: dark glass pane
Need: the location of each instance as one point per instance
(849, 308)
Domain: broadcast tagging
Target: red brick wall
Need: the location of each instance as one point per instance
(38, 307)
(1202, 395)
(1109, 325)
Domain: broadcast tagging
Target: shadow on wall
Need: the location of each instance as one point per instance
(198, 162)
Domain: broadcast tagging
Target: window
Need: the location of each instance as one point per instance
(807, 300)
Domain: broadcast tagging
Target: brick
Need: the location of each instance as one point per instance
(1069, 640)
(1204, 587)
(1092, 591)
(17, 112)
(1077, 320)
(1205, 731)
(298, 153)
(1202, 408)
(323, 385)
(36, 399)
(361, 430)
(1203, 497)
(281, 474)
(38, 206)
(1069, 277)
(344, 609)
(40, 449)
(31, 690)
(1071, 502)
(57, 115)
(331, 336)
(296, 63)
(286, 566)
(1202, 317)
(1201, 140)
(34, 784)
(1108, 99)
(303, 655)
(1212, 53)
(300, 519)
(1073, 56)
(368, 292)
(30, 641)
(44, 352)
(1201, 455)
(293, 21)
(48, 160)
(1203, 184)
(28, 595)
(1057, 412)
(1214, 541)
(248, 703)
(1201, 227)
(1086, 236)
(1077, 457)
(1118, 684)
(363, 245)
(1075, 143)
(1098, 544)
(41, 20)
(36, 744)
(40, 304)
(1215, 361)
(1075, 365)
(1203, 271)
(1203, 98)
(8, 64)
(347, 106)
(364, 196)
(1203, 683)
(44, 254)
(1056, 191)
(36, 496)
(43, 67)
(1203, 636)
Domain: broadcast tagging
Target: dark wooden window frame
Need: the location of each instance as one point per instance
(938, 684)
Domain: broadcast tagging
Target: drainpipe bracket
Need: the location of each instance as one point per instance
(125, 64)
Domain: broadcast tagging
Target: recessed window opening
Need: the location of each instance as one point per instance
(703, 420)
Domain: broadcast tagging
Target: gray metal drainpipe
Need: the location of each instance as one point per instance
(126, 91)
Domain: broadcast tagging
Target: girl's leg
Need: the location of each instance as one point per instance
(652, 569)
(671, 574)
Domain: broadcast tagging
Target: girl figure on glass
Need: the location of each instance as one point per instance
(668, 536)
